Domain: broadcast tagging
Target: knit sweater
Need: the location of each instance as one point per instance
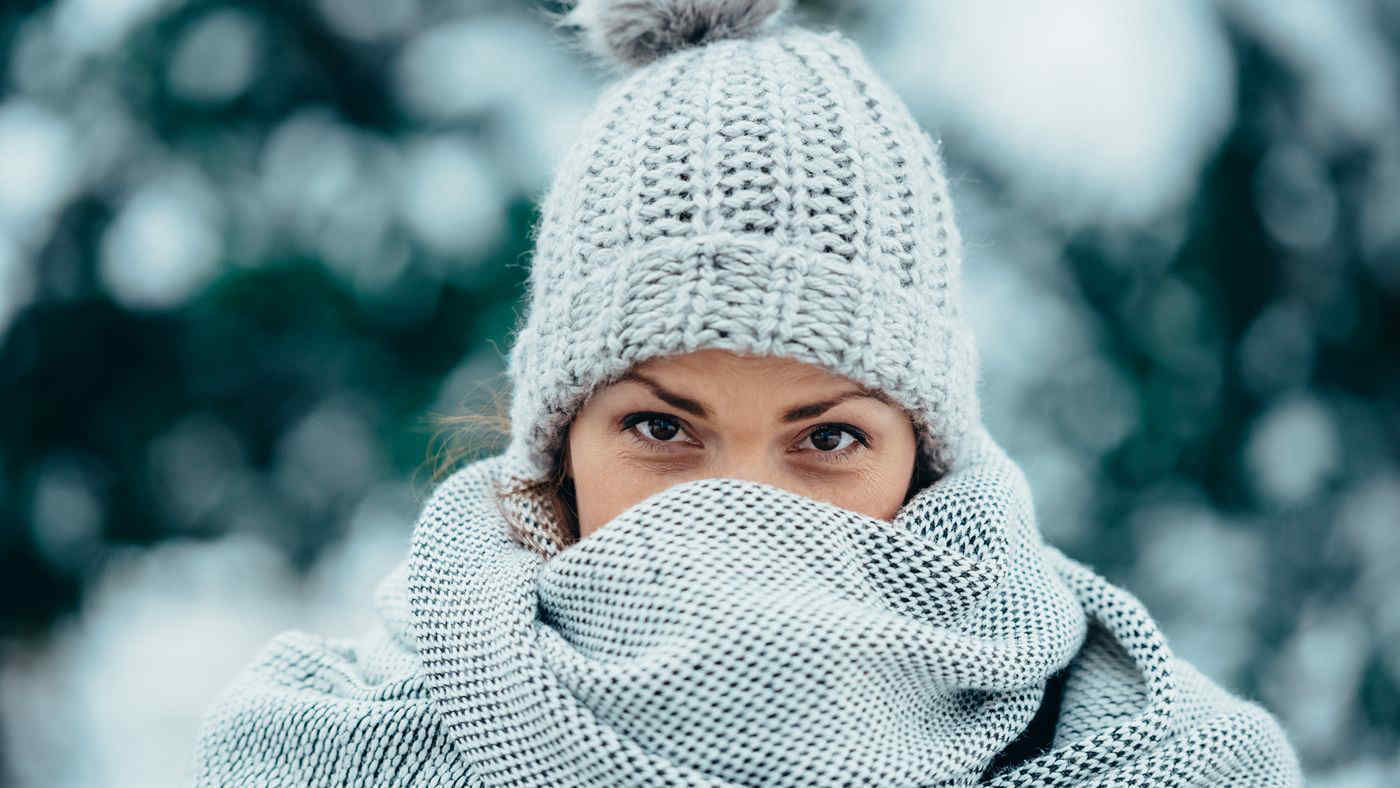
(726, 633)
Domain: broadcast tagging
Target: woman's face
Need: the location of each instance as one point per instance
(713, 413)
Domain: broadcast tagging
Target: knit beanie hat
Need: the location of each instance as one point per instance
(751, 185)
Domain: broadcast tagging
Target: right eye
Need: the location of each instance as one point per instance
(651, 429)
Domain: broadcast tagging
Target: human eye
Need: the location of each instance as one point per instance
(652, 430)
(835, 442)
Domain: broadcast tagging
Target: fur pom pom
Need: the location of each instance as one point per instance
(635, 32)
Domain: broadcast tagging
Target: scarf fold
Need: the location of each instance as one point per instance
(724, 632)
(730, 633)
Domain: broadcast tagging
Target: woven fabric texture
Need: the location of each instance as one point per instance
(768, 195)
(729, 633)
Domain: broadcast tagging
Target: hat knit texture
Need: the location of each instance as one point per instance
(749, 185)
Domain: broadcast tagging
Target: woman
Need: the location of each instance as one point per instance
(749, 529)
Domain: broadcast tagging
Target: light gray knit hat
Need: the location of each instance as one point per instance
(750, 185)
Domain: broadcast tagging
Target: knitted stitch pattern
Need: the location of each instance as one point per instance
(766, 195)
(730, 633)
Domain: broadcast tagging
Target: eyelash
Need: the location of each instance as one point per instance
(630, 422)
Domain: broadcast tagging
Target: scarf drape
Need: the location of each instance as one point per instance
(730, 633)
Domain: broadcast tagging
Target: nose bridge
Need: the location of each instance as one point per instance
(749, 462)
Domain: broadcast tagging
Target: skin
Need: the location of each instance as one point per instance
(634, 438)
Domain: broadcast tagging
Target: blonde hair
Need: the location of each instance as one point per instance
(483, 429)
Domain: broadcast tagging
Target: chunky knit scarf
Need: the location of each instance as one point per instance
(730, 633)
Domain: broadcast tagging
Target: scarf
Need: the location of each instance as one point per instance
(730, 633)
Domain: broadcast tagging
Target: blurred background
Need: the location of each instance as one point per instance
(249, 250)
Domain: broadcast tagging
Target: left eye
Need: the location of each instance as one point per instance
(830, 439)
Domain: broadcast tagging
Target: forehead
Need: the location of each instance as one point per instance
(751, 382)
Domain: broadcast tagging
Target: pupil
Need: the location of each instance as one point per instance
(818, 439)
(665, 431)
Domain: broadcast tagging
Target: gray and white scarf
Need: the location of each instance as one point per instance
(730, 633)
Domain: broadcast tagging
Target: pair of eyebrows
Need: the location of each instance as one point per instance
(794, 414)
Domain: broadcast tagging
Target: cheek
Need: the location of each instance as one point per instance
(605, 484)
(878, 490)
(877, 493)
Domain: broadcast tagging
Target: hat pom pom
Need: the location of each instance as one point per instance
(633, 33)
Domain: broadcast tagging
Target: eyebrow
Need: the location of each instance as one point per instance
(797, 413)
